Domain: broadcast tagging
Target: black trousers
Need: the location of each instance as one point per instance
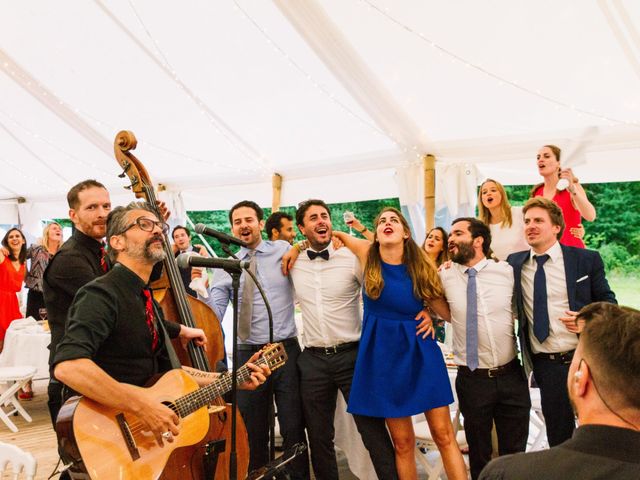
(551, 376)
(503, 399)
(35, 301)
(321, 376)
(254, 407)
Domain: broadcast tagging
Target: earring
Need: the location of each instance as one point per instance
(577, 375)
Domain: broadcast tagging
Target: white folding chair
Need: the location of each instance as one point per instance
(14, 378)
(20, 461)
(536, 420)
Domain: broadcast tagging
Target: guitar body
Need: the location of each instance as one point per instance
(98, 437)
(187, 463)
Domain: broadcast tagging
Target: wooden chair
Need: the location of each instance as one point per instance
(20, 461)
(14, 378)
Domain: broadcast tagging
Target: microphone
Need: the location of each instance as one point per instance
(192, 259)
(202, 229)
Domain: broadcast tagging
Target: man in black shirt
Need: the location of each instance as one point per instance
(113, 342)
(604, 390)
(79, 260)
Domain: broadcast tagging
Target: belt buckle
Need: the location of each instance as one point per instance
(552, 356)
(332, 350)
(490, 372)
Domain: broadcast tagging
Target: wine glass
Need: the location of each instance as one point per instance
(349, 217)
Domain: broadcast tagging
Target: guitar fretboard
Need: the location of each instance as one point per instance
(191, 402)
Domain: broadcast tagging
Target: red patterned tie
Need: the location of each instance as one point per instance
(149, 316)
(103, 259)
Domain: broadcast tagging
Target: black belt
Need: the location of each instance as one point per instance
(287, 342)
(333, 349)
(562, 357)
(490, 372)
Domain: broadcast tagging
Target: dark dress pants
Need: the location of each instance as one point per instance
(551, 376)
(254, 407)
(503, 399)
(35, 301)
(321, 376)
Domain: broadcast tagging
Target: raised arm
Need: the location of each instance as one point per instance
(359, 247)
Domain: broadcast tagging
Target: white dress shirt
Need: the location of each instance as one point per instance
(329, 296)
(508, 240)
(496, 333)
(560, 339)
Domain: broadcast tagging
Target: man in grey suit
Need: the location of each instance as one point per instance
(604, 388)
(552, 282)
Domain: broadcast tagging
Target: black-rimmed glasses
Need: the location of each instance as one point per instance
(147, 225)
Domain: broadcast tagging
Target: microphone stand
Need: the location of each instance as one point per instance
(271, 413)
(235, 285)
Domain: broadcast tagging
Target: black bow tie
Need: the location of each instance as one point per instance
(323, 254)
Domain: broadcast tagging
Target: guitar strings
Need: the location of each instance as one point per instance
(183, 406)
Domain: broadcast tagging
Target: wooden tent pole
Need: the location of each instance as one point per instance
(276, 183)
(429, 162)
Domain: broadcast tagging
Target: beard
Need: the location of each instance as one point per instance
(145, 252)
(464, 254)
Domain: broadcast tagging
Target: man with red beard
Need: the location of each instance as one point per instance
(79, 260)
(327, 284)
(491, 384)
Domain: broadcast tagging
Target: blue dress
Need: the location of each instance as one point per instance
(397, 373)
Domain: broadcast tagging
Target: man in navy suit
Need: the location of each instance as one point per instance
(553, 282)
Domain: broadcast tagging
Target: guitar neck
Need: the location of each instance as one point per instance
(191, 402)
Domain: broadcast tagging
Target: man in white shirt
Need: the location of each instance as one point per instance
(491, 384)
(553, 282)
(327, 284)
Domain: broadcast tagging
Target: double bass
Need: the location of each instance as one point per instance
(209, 459)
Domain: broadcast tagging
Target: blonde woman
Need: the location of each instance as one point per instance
(505, 222)
(40, 254)
(400, 371)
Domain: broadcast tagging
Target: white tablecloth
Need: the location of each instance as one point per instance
(25, 344)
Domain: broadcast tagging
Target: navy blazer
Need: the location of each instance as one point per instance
(586, 283)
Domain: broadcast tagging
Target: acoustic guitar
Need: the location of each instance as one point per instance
(103, 443)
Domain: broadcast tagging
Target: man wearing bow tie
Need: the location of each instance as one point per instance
(553, 282)
(327, 284)
(247, 223)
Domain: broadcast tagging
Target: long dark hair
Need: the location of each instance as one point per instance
(22, 256)
(421, 269)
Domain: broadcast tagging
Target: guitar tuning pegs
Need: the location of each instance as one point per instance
(128, 187)
(122, 175)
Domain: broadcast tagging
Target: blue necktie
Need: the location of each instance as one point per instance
(540, 309)
(472, 320)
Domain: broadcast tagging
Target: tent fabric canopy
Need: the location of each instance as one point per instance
(338, 96)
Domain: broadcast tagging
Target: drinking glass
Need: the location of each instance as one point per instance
(349, 217)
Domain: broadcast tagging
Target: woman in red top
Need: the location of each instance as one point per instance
(573, 200)
(12, 269)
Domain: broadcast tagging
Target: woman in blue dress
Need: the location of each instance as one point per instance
(400, 371)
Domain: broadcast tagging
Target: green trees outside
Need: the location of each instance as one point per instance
(364, 211)
(616, 231)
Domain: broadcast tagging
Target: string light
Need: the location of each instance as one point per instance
(41, 90)
(501, 80)
(325, 90)
(42, 139)
(220, 127)
(29, 178)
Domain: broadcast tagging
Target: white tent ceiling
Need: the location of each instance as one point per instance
(332, 94)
